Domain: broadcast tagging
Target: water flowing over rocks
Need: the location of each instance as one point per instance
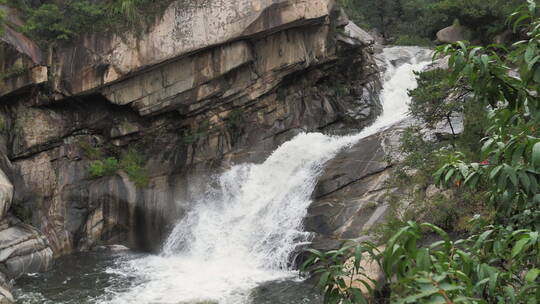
(350, 197)
(191, 101)
(207, 86)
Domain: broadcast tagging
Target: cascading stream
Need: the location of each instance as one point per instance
(243, 231)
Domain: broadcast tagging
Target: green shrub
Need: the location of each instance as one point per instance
(435, 99)
(193, 136)
(499, 262)
(415, 22)
(235, 122)
(130, 162)
(410, 40)
(498, 265)
(106, 167)
(12, 73)
(65, 20)
(339, 279)
(93, 153)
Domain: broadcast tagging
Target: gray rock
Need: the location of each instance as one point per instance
(6, 194)
(5, 296)
(350, 196)
(354, 35)
(454, 33)
(286, 292)
(37, 261)
(23, 249)
(504, 37)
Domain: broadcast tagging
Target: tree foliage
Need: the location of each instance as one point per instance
(436, 99)
(52, 22)
(499, 262)
(496, 265)
(412, 20)
(512, 145)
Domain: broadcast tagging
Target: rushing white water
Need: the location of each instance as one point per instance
(244, 231)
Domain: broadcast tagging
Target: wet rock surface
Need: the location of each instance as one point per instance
(23, 248)
(350, 196)
(286, 292)
(190, 106)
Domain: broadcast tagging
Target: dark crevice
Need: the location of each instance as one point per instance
(354, 181)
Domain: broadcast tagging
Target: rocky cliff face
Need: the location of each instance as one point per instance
(207, 86)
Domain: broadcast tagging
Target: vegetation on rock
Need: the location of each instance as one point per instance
(498, 261)
(15, 72)
(235, 123)
(417, 21)
(131, 162)
(193, 136)
(52, 22)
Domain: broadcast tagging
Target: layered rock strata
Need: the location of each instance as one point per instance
(205, 87)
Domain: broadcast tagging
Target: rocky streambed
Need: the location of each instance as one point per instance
(251, 98)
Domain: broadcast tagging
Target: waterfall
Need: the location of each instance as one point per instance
(243, 230)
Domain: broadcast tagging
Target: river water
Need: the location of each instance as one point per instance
(241, 233)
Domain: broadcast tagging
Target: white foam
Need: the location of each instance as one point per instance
(244, 231)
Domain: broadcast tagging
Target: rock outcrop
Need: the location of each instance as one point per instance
(23, 248)
(454, 33)
(350, 197)
(207, 86)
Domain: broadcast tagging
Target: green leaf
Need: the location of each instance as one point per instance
(482, 238)
(429, 291)
(324, 279)
(530, 52)
(525, 181)
(537, 75)
(511, 173)
(536, 155)
(532, 275)
(423, 259)
(518, 247)
(518, 153)
(463, 169)
(449, 175)
(358, 296)
(495, 172)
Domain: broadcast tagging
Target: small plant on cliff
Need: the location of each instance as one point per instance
(93, 153)
(339, 90)
(235, 122)
(131, 162)
(106, 167)
(22, 212)
(193, 136)
(12, 73)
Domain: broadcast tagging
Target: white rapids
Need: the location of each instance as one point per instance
(245, 231)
